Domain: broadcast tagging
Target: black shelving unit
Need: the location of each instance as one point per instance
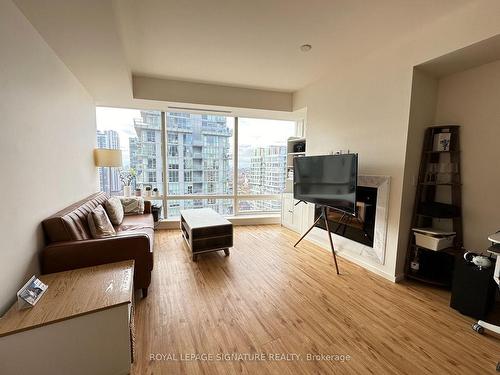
(436, 267)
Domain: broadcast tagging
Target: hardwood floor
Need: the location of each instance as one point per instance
(269, 298)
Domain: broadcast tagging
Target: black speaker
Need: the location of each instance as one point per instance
(473, 289)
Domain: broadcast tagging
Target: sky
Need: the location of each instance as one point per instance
(251, 132)
(122, 121)
(264, 132)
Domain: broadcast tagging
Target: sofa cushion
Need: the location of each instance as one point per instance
(114, 209)
(132, 222)
(133, 205)
(99, 223)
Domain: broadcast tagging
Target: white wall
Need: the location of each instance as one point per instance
(168, 90)
(364, 106)
(46, 141)
(471, 100)
(422, 113)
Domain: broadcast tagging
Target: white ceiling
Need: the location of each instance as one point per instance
(256, 43)
(252, 43)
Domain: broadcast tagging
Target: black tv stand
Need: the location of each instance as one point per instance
(324, 217)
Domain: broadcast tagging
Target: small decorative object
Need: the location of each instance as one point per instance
(126, 177)
(138, 192)
(442, 142)
(147, 191)
(30, 293)
(299, 147)
(156, 193)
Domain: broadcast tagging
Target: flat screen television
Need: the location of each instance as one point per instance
(328, 180)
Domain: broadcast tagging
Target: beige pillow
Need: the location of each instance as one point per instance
(99, 223)
(133, 205)
(114, 209)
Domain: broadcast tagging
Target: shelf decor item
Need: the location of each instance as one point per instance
(156, 193)
(147, 191)
(442, 141)
(126, 177)
(433, 239)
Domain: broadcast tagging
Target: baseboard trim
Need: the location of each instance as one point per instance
(359, 262)
(235, 220)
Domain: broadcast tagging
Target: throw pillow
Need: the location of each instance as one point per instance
(99, 223)
(133, 205)
(114, 210)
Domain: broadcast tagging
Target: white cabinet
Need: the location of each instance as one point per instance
(292, 215)
(81, 325)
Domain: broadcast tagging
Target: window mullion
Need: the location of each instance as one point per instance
(235, 168)
(163, 146)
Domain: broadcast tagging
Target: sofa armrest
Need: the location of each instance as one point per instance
(63, 256)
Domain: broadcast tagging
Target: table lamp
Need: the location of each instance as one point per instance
(105, 157)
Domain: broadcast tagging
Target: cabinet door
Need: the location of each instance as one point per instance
(291, 215)
(287, 210)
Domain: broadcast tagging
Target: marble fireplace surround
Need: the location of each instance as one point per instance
(377, 252)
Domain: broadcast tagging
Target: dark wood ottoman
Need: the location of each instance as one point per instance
(205, 230)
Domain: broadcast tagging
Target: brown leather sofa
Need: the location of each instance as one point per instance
(70, 245)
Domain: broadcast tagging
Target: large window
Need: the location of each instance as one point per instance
(200, 166)
(262, 161)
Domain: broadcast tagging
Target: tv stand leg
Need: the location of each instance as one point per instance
(310, 229)
(330, 238)
(324, 217)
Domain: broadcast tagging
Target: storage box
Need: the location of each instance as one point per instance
(434, 242)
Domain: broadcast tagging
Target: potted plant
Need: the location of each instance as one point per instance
(126, 177)
(156, 192)
(147, 191)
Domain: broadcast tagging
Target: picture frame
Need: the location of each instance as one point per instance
(442, 142)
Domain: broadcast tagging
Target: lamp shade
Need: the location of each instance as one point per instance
(104, 157)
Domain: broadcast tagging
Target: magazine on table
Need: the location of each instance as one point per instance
(30, 293)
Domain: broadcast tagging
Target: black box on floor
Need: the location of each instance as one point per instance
(473, 289)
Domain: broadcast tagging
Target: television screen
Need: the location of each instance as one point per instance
(328, 180)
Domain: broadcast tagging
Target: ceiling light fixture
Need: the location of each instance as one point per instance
(305, 47)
